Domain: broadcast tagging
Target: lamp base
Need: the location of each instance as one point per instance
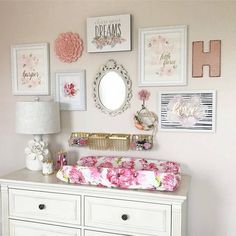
(36, 152)
(35, 164)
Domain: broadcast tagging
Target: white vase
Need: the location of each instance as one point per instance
(34, 164)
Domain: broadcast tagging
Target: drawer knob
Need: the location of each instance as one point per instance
(124, 217)
(41, 206)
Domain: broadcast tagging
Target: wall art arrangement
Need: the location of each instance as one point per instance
(162, 62)
(30, 69)
(211, 58)
(109, 33)
(187, 111)
(162, 56)
(71, 90)
(68, 47)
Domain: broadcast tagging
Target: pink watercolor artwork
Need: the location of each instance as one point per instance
(112, 41)
(70, 89)
(30, 76)
(109, 33)
(30, 69)
(186, 112)
(192, 111)
(162, 56)
(161, 51)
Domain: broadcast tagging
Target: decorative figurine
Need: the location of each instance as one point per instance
(47, 167)
(61, 160)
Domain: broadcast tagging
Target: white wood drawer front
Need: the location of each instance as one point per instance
(128, 216)
(20, 228)
(96, 233)
(48, 207)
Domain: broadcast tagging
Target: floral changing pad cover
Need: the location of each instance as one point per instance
(123, 172)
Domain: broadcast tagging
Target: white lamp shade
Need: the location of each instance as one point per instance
(37, 117)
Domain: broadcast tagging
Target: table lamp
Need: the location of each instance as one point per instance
(37, 118)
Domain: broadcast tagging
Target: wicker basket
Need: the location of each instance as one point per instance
(99, 141)
(141, 142)
(79, 139)
(119, 142)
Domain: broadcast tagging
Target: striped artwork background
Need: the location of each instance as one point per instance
(206, 123)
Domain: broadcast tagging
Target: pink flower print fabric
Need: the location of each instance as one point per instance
(123, 172)
(121, 177)
(88, 161)
(76, 176)
(170, 182)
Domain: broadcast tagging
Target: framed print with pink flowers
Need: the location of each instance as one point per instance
(187, 111)
(71, 90)
(163, 56)
(30, 69)
(109, 33)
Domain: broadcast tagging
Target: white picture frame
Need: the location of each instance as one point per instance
(188, 111)
(109, 33)
(70, 90)
(30, 69)
(163, 56)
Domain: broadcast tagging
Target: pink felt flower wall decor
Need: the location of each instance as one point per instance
(144, 94)
(68, 47)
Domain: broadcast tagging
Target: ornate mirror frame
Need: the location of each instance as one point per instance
(111, 65)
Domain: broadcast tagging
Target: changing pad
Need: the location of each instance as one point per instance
(123, 172)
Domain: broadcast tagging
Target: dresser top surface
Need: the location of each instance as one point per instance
(27, 178)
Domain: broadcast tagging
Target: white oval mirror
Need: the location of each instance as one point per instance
(112, 89)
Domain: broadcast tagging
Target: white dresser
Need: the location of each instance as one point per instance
(37, 205)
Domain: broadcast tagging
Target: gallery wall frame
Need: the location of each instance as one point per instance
(30, 69)
(109, 33)
(163, 56)
(70, 90)
(189, 111)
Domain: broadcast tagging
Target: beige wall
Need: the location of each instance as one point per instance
(208, 158)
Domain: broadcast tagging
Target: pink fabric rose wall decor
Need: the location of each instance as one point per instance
(68, 47)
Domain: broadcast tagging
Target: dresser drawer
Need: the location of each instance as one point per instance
(47, 207)
(128, 216)
(20, 228)
(96, 233)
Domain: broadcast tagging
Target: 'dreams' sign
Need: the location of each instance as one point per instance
(108, 33)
